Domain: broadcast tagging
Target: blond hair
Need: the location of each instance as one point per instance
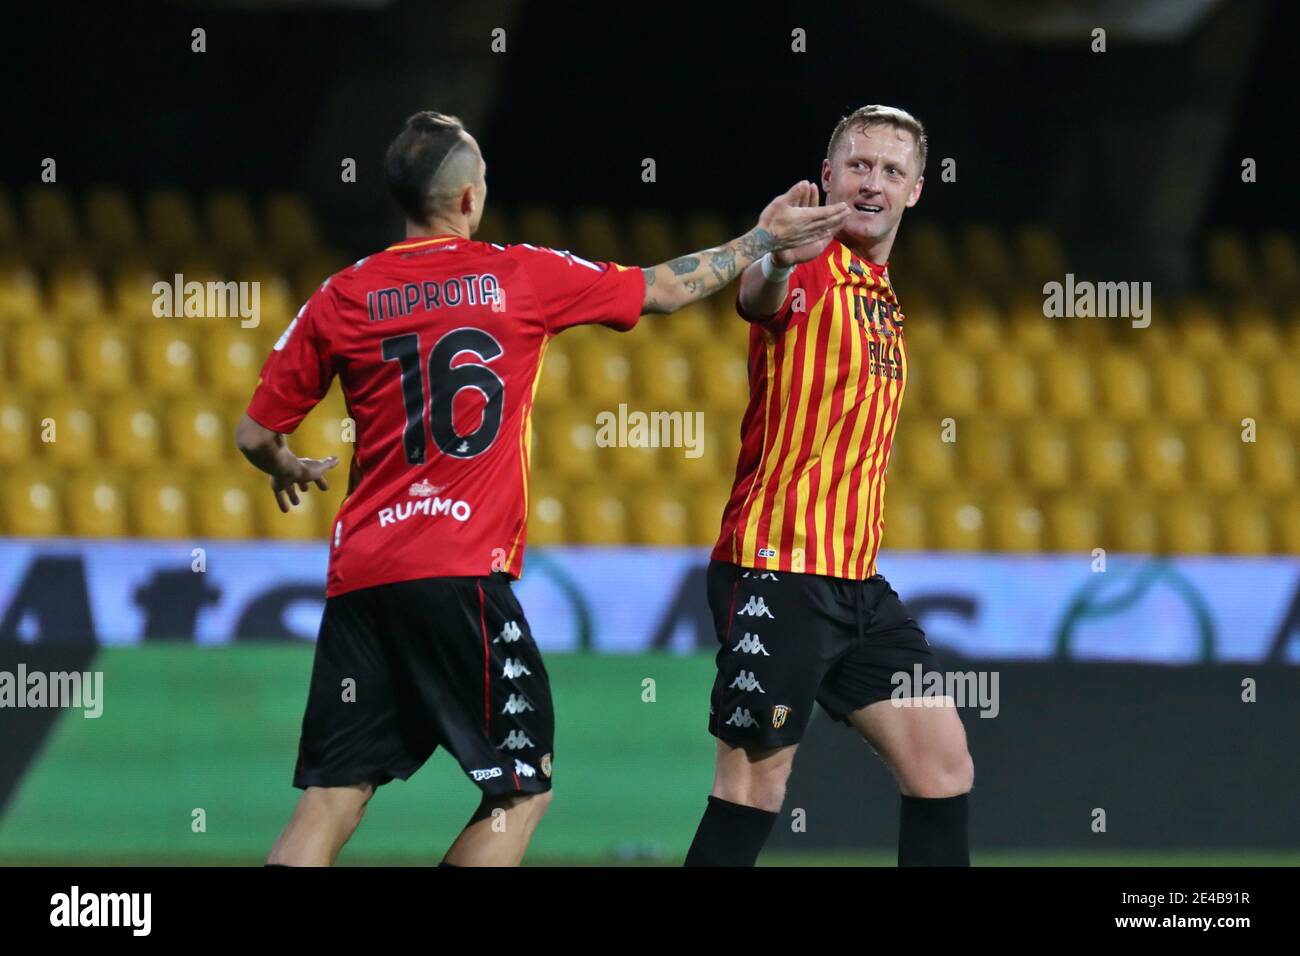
(877, 115)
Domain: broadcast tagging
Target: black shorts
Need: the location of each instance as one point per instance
(789, 639)
(404, 668)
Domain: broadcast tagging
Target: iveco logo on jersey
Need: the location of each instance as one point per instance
(460, 510)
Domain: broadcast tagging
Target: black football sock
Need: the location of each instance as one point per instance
(933, 832)
(730, 834)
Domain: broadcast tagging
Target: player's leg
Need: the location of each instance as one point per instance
(352, 740)
(774, 632)
(923, 746)
(324, 820)
(478, 676)
(499, 831)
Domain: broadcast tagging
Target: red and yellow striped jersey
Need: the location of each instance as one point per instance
(826, 381)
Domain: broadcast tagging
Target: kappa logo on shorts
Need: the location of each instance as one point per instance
(524, 769)
(779, 713)
(750, 644)
(509, 634)
(742, 718)
(487, 774)
(513, 668)
(756, 607)
(746, 680)
(546, 765)
(516, 704)
(515, 740)
(761, 575)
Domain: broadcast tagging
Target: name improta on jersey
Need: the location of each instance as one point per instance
(399, 301)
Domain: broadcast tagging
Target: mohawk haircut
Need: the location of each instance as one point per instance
(424, 147)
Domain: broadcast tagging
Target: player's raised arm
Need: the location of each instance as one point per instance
(790, 221)
(765, 284)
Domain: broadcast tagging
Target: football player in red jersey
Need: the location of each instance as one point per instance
(437, 341)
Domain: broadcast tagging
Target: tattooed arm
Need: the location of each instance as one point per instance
(784, 224)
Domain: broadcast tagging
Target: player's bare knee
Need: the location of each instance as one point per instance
(948, 775)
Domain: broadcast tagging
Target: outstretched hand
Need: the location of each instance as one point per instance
(310, 471)
(800, 227)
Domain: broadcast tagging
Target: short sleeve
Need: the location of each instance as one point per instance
(298, 372)
(799, 280)
(572, 291)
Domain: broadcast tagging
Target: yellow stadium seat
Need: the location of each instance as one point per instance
(704, 231)
(706, 505)
(541, 226)
(1255, 332)
(223, 504)
(1200, 328)
(986, 451)
(302, 522)
(38, 356)
(68, 429)
(1133, 525)
(564, 441)
(927, 246)
(95, 503)
(1281, 260)
(661, 375)
(18, 430)
(312, 274)
(1125, 387)
(653, 239)
(1045, 455)
(291, 228)
(132, 433)
(546, 514)
(978, 325)
(1040, 255)
(111, 221)
(166, 360)
(1245, 526)
(230, 221)
(198, 433)
(1216, 457)
(51, 222)
(1013, 391)
(1189, 526)
(606, 373)
(954, 384)
(1068, 386)
(658, 517)
(275, 302)
(20, 293)
(1181, 388)
(905, 519)
(598, 516)
(1238, 388)
(712, 455)
(232, 360)
(984, 253)
(1271, 459)
(1015, 523)
(1031, 332)
(75, 293)
(691, 326)
(102, 357)
(132, 295)
(326, 430)
(1102, 456)
(1160, 455)
(1073, 523)
(170, 222)
(557, 377)
(1286, 514)
(31, 503)
(1283, 380)
(928, 459)
(159, 505)
(721, 375)
(957, 522)
(597, 237)
(640, 463)
(1228, 261)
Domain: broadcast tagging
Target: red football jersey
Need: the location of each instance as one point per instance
(438, 343)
